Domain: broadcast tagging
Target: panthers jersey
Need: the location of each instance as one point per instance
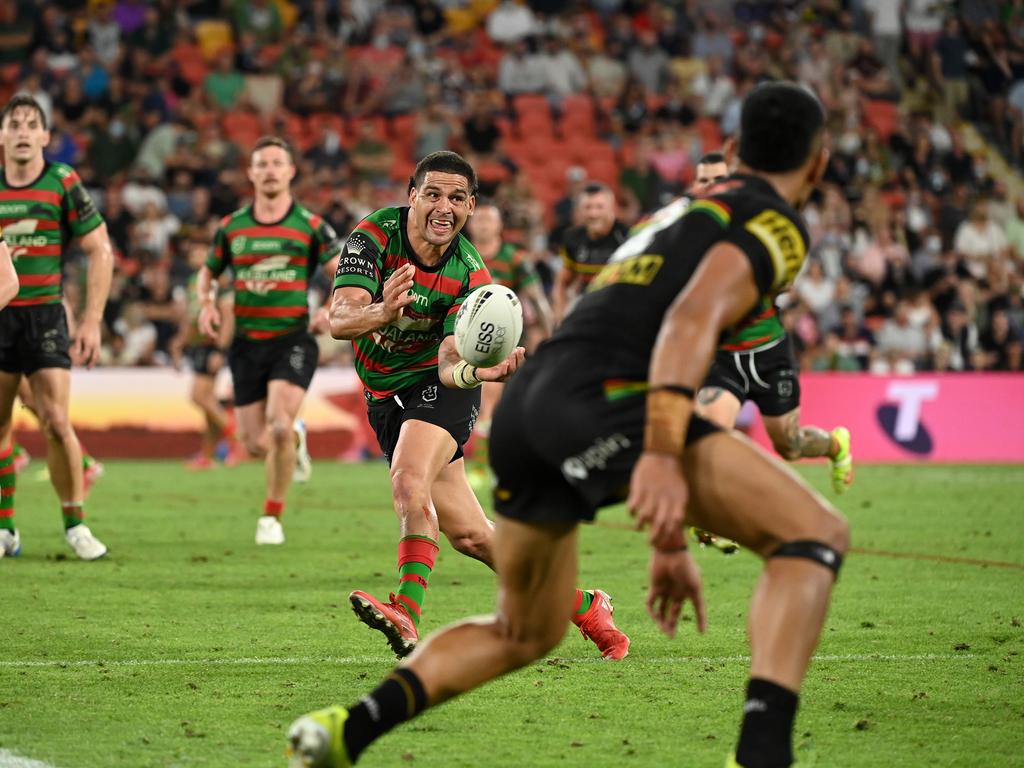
(621, 312)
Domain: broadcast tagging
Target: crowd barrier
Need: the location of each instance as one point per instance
(146, 413)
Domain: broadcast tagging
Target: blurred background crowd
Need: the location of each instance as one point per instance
(918, 255)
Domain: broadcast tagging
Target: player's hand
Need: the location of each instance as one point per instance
(657, 498)
(505, 368)
(397, 292)
(674, 579)
(86, 348)
(321, 321)
(209, 320)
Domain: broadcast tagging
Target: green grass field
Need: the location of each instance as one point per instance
(188, 646)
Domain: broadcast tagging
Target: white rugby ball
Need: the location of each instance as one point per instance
(488, 326)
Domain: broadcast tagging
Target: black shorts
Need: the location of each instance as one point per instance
(454, 410)
(254, 363)
(200, 358)
(34, 337)
(767, 375)
(560, 449)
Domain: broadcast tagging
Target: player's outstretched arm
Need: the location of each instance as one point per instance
(719, 294)
(96, 244)
(355, 314)
(8, 276)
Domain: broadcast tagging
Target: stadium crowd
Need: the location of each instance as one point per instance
(918, 258)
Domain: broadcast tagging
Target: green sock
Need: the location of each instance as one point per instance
(8, 478)
(585, 601)
(416, 557)
(73, 513)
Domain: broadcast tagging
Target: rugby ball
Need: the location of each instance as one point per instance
(488, 326)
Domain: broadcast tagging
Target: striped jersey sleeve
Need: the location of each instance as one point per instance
(80, 211)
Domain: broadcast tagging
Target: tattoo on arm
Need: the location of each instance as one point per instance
(708, 395)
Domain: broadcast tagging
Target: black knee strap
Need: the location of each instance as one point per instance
(820, 553)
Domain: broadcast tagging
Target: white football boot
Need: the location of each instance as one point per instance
(269, 530)
(10, 543)
(86, 546)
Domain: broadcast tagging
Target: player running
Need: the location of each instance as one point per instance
(273, 246)
(42, 206)
(401, 280)
(206, 357)
(608, 403)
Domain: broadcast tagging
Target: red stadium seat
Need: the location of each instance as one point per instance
(882, 116)
(241, 122)
(710, 133)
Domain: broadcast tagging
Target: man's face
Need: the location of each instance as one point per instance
(709, 174)
(597, 210)
(24, 135)
(486, 224)
(271, 171)
(441, 206)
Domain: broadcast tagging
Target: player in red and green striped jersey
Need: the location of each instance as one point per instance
(42, 207)
(401, 279)
(273, 246)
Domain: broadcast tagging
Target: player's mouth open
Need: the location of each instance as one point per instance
(441, 226)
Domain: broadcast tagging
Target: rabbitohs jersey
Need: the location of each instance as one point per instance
(38, 221)
(403, 352)
(272, 264)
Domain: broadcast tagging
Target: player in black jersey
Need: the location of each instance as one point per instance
(605, 409)
(587, 247)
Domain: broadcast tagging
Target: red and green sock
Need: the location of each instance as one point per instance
(272, 508)
(583, 601)
(8, 478)
(416, 558)
(73, 513)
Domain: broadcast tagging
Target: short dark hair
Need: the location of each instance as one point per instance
(23, 100)
(443, 162)
(596, 187)
(272, 141)
(711, 158)
(779, 125)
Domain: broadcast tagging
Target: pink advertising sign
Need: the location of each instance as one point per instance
(971, 417)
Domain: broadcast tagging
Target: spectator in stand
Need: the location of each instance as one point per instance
(511, 22)
(371, 158)
(854, 342)
(1001, 343)
(949, 68)
(521, 70)
(714, 86)
(961, 337)
(902, 346)
(980, 240)
(648, 63)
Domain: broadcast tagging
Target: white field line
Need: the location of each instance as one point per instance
(10, 759)
(344, 661)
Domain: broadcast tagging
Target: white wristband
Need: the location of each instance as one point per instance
(464, 375)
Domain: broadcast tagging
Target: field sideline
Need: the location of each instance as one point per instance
(189, 646)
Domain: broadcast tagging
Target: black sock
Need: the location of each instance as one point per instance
(766, 737)
(399, 698)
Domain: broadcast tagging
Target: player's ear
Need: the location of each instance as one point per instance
(412, 195)
(729, 151)
(471, 205)
(819, 166)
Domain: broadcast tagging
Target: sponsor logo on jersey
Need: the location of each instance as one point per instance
(781, 237)
(263, 276)
(21, 236)
(638, 270)
(596, 456)
(13, 209)
(238, 244)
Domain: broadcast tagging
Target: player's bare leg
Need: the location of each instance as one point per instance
(422, 452)
(738, 491)
(723, 408)
(51, 388)
(537, 568)
(793, 441)
(460, 517)
(214, 416)
(92, 469)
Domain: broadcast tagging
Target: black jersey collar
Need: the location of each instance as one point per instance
(252, 213)
(410, 254)
(46, 167)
